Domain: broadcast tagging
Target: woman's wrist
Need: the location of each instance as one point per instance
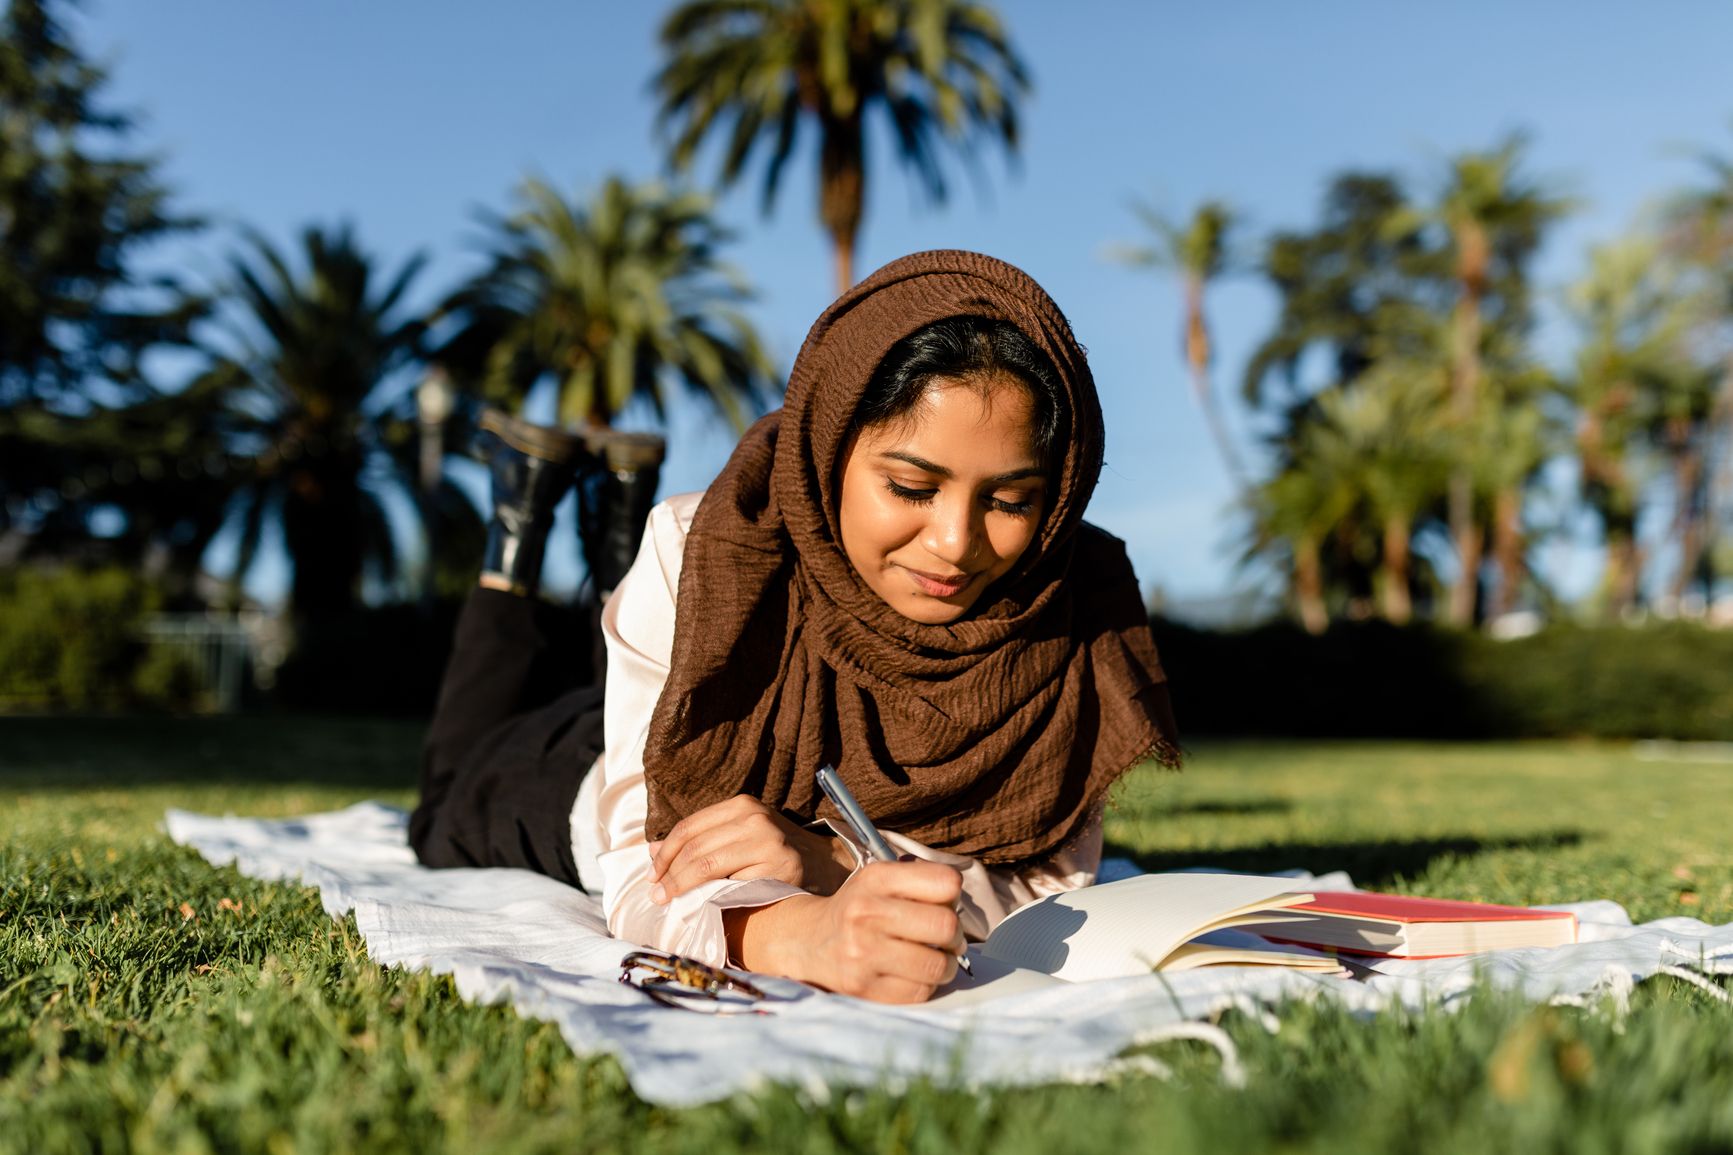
(826, 861)
(774, 939)
(843, 861)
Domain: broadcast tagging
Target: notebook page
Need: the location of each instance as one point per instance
(993, 979)
(1127, 927)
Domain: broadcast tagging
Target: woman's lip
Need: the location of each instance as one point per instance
(939, 587)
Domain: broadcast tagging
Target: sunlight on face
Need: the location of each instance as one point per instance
(939, 504)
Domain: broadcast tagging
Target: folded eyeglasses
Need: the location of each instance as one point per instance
(677, 981)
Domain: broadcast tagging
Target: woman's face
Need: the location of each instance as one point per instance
(938, 504)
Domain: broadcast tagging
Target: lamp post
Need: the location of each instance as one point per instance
(434, 400)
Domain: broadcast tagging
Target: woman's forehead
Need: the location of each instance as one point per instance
(962, 421)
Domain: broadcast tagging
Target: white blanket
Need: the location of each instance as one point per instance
(515, 936)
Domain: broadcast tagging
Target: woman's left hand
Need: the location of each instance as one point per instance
(743, 838)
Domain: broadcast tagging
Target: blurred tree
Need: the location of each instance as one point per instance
(1390, 442)
(307, 358)
(1698, 418)
(1511, 439)
(1358, 292)
(145, 485)
(1361, 286)
(1385, 289)
(1495, 220)
(1294, 513)
(942, 70)
(1631, 317)
(1198, 252)
(75, 204)
(610, 299)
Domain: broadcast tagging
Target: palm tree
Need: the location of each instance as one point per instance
(1388, 439)
(1294, 513)
(1351, 290)
(1199, 253)
(163, 463)
(1687, 407)
(304, 366)
(1508, 445)
(943, 72)
(609, 298)
(1495, 220)
(1632, 316)
(1699, 237)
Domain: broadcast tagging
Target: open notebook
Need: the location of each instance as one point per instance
(1134, 926)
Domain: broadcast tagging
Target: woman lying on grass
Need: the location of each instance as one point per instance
(891, 574)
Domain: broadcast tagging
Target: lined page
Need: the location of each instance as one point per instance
(1128, 927)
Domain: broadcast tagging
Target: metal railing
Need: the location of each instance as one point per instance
(223, 649)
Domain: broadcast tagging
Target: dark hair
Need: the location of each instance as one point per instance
(972, 350)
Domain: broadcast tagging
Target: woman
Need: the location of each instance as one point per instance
(892, 575)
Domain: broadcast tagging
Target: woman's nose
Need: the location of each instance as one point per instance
(952, 534)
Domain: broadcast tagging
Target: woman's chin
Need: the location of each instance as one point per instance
(932, 611)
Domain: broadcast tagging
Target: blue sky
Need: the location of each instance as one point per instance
(405, 117)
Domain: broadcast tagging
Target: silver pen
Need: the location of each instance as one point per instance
(863, 828)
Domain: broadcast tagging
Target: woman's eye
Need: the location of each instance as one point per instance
(1018, 508)
(909, 492)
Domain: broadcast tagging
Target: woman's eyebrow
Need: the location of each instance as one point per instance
(926, 466)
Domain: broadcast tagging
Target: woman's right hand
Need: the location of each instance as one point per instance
(890, 933)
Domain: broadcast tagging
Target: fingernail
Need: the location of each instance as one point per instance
(658, 893)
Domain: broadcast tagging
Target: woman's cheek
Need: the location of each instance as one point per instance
(893, 522)
(1010, 536)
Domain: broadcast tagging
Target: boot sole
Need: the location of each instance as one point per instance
(537, 441)
(627, 452)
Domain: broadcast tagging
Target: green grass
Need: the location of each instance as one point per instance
(149, 1001)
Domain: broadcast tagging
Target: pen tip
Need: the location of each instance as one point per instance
(963, 961)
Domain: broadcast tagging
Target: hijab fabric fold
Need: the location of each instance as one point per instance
(994, 736)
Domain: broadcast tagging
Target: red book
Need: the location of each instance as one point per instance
(1395, 926)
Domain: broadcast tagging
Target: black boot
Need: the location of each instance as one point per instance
(532, 468)
(615, 501)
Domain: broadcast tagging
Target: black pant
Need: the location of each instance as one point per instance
(518, 725)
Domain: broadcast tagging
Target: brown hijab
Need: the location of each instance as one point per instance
(994, 736)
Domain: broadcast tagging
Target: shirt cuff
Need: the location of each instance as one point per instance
(846, 833)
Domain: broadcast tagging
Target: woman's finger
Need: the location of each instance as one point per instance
(926, 924)
(916, 881)
(718, 814)
(713, 855)
(922, 966)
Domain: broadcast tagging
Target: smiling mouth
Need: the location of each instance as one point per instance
(939, 587)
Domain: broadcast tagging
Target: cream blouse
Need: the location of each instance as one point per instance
(608, 818)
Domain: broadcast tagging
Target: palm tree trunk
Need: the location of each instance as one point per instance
(1197, 356)
(1465, 535)
(1623, 570)
(1309, 587)
(1605, 483)
(1507, 548)
(1687, 517)
(1398, 539)
(842, 191)
(322, 533)
(1465, 401)
(842, 247)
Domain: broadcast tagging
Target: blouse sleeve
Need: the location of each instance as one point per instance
(638, 626)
